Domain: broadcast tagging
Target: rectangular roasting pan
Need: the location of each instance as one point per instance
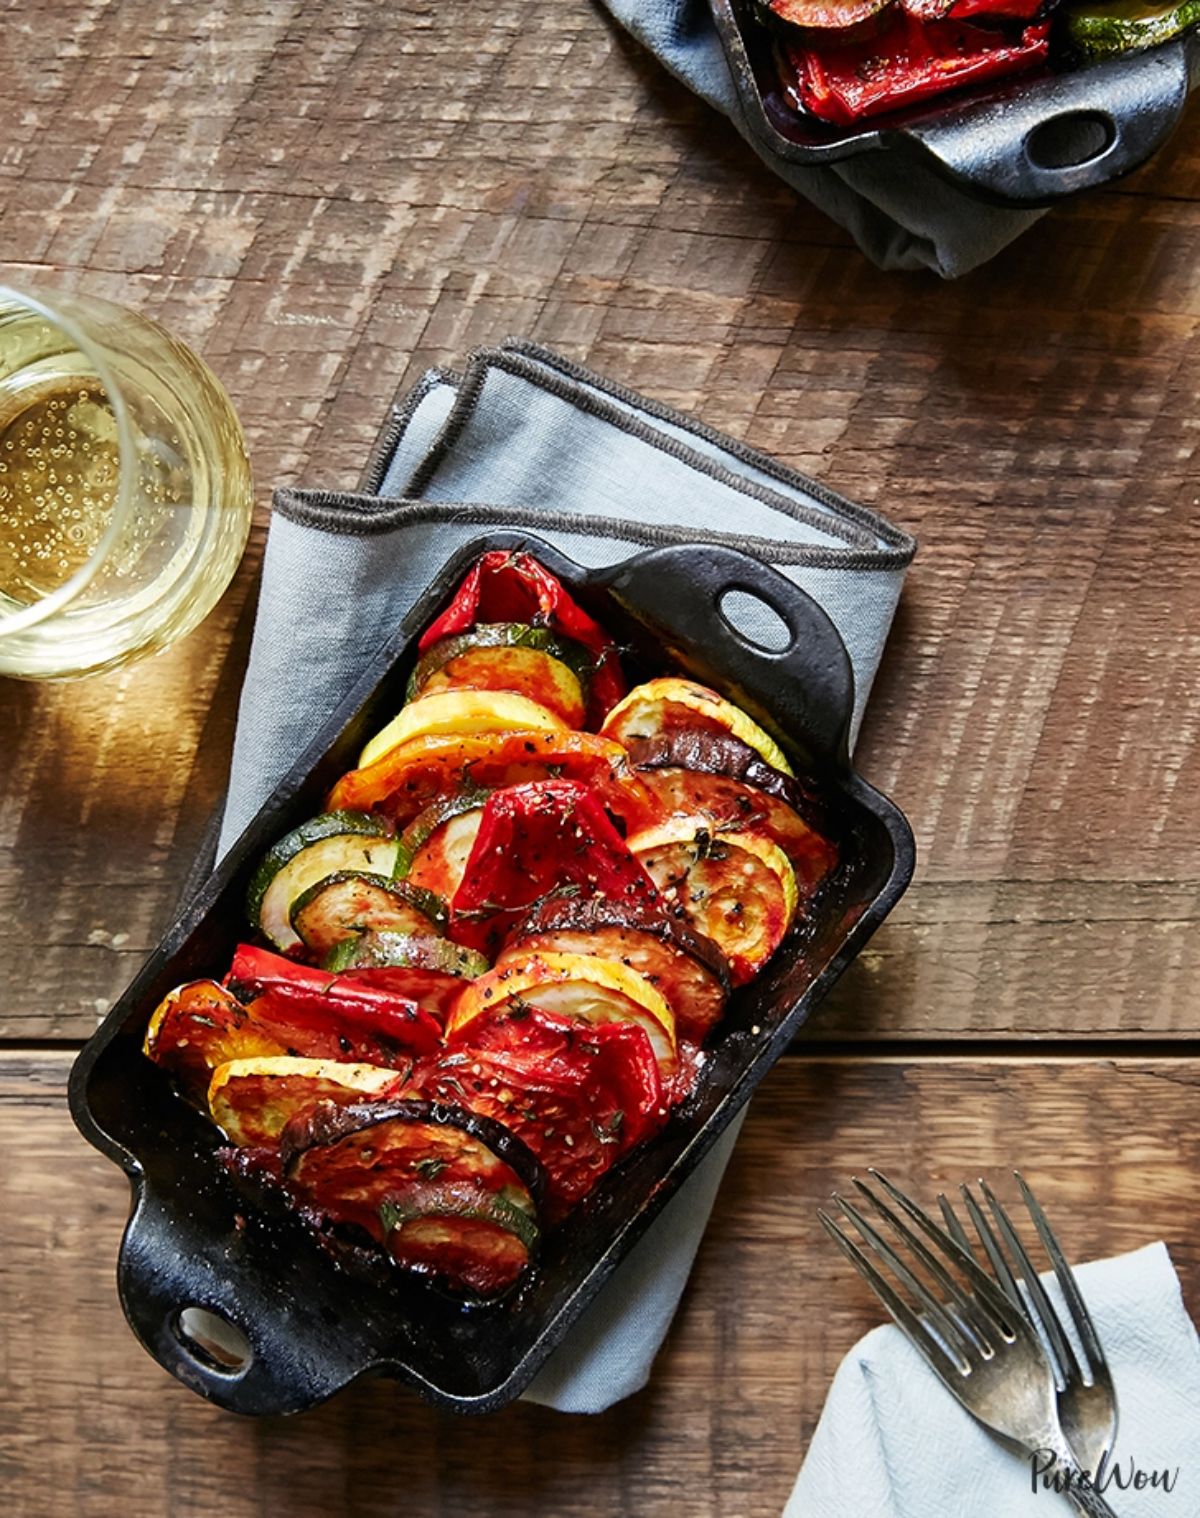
(1027, 141)
(194, 1240)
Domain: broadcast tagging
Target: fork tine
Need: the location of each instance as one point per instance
(987, 1294)
(1067, 1366)
(948, 1326)
(909, 1324)
(1066, 1278)
(991, 1245)
(953, 1227)
(958, 1297)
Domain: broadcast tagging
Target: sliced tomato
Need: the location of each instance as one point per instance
(200, 1026)
(514, 587)
(579, 1097)
(410, 777)
(548, 838)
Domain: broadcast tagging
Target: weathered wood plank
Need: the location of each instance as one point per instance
(1113, 1149)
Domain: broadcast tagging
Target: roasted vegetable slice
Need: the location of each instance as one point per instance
(346, 905)
(514, 587)
(578, 1099)
(739, 889)
(432, 971)
(729, 784)
(460, 714)
(1120, 26)
(251, 1100)
(339, 842)
(528, 661)
(200, 1026)
(688, 969)
(405, 781)
(449, 1194)
(572, 986)
(672, 705)
(435, 846)
(320, 1014)
(828, 20)
(551, 837)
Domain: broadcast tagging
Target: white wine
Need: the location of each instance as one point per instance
(59, 468)
(125, 493)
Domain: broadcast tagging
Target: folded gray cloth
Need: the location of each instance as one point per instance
(523, 438)
(901, 215)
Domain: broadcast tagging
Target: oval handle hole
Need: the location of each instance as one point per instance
(754, 620)
(213, 1341)
(1069, 140)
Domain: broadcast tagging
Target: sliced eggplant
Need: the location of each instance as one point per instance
(347, 904)
(695, 774)
(252, 1100)
(829, 20)
(526, 661)
(340, 842)
(435, 846)
(573, 986)
(671, 705)
(461, 714)
(687, 968)
(200, 1026)
(449, 1194)
(432, 971)
(739, 889)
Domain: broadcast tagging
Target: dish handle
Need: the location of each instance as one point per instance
(207, 1317)
(689, 588)
(1035, 143)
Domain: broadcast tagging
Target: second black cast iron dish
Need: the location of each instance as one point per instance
(194, 1240)
(1026, 142)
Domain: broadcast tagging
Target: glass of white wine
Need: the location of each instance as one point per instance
(125, 491)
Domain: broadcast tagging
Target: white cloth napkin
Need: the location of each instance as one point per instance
(893, 1443)
(523, 438)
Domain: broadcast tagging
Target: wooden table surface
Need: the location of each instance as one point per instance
(325, 201)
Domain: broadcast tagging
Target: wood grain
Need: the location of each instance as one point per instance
(1112, 1147)
(325, 209)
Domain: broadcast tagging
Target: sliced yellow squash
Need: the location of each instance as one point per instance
(575, 986)
(737, 888)
(251, 1100)
(671, 704)
(459, 713)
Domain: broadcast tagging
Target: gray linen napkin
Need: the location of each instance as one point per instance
(524, 438)
(901, 215)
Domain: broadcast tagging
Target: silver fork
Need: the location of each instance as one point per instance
(1087, 1399)
(980, 1346)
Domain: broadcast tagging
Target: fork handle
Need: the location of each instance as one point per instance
(1084, 1499)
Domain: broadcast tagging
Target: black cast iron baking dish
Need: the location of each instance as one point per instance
(1027, 142)
(195, 1241)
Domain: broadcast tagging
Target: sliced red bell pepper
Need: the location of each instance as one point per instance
(548, 837)
(357, 1008)
(580, 1097)
(906, 63)
(513, 587)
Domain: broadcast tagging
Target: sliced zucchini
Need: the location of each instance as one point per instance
(339, 842)
(460, 714)
(524, 660)
(448, 1193)
(435, 846)
(671, 704)
(348, 903)
(200, 1026)
(1101, 30)
(574, 986)
(689, 970)
(739, 889)
(252, 1100)
(432, 971)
